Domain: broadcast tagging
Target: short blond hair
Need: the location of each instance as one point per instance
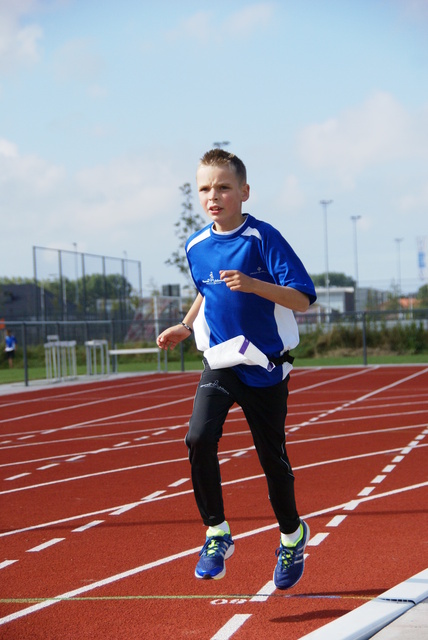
(220, 157)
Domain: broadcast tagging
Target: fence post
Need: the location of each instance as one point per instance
(24, 349)
(181, 355)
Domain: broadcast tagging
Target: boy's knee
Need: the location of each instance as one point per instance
(200, 440)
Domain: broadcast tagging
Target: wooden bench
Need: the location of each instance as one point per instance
(129, 352)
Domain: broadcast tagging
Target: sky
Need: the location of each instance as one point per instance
(106, 108)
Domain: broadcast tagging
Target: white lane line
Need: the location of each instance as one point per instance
(294, 442)
(378, 479)
(26, 437)
(121, 444)
(95, 585)
(224, 460)
(231, 626)
(388, 468)
(97, 473)
(336, 521)
(353, 504)
(177, 483)
(126, 507)
(366, 491)
(360, 399)
(89, 525)
(48, 466)
(162, 561)
(74, 458)
(263, 594)
(20, 475)
(317, 539)
(180, 494)
(45, 545)
(86, 423)
(398, 459)
(155, 494)
(7, 563)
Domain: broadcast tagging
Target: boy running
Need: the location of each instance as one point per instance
(249, 282)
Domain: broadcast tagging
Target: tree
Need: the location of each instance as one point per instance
(188, 223)
(335, 280)
(422, 296)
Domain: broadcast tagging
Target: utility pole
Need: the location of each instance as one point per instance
(399, 241)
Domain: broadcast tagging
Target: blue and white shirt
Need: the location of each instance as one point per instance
(258, 250)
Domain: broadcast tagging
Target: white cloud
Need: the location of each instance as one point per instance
(76, 61)
(8, 149)
(26, 174)
(415, 201)
(131, 202)
(128, 190)
(291, 197)
(413, 9)
(250, 19)
(378, 131)
(203, 25)
(127, 193)
(19, 44)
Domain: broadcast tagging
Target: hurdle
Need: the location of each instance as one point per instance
(60, 359)
(97, 353)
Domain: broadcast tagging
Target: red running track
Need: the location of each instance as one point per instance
(99, 532)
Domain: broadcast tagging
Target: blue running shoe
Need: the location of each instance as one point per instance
(216, 550)
(290, 565)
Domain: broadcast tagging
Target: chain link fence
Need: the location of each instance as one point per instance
(362, 333)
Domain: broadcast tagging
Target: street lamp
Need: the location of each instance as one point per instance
(325, 204)
(354, 220)
(398, 241)
(76, 273)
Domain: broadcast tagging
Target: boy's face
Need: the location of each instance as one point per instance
(221, 195)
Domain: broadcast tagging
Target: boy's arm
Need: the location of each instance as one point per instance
(284, 296)
(169, 338)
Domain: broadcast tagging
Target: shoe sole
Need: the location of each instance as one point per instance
(220, 575)
(303, 562)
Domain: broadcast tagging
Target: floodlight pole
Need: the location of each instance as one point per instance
(354, 220)
(325, 204)
(398, 241)
(76, 271)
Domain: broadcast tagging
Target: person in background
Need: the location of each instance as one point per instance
(10, 347)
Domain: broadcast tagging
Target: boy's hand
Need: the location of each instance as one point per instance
(172, 336)
(237, 281)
